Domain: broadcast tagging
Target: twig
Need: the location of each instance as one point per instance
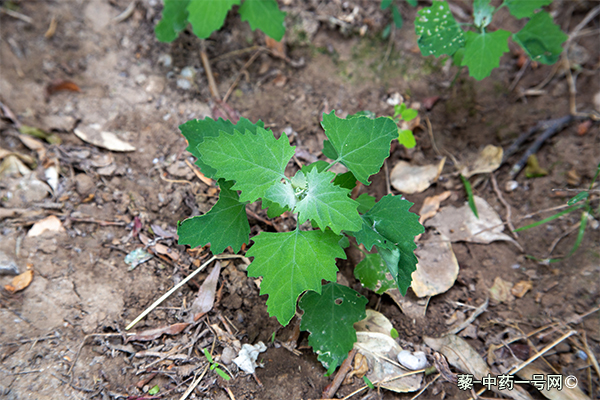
(16, 15)
(519, 75)
(340, 376)
(101, 223)
(425, 387)
(471, 318)
(591, 15)
(71, 371)
(561, 237)
(506, 205)
(126, 13)
(430, 131)
(229, 393)
(393, 378)
(557, 126)
(170, 292)
(591, 355)
(387, 178)
(542, 352)
(195, 383)
(236, 53)
(23, 341)
(199, 174)
(239, 75)
(209, 75)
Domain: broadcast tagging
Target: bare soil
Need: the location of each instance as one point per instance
(61, 336)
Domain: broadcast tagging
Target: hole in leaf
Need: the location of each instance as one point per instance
(338, 301)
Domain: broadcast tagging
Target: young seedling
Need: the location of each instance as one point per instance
(480, 49)
(249, 164)
(214, 366)
(581, 201)
(396, 16)
(209, 16)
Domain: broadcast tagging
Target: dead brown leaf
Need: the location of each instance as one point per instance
(277, 48)
(584, 127)
(431, 205)
(521, 288)
(205, 299)
(51, 223)
(501, 291)
(20, 282)
(61, 86)
(151, 334)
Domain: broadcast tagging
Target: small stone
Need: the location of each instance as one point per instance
(228, 355)
(597, 101)
(58, 123)
(184, 84)
(166, 60)
(140, 79)
(156, 84)
(509, 186)
(83, 184)
(412, 361)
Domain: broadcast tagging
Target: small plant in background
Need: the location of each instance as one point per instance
(396, 16)
(581, 201)
(214, 366)
(479, 49)
(207, 16)
(247, 158)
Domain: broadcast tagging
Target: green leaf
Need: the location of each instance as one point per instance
(254, 161)
(406, 138)
(363, 113)
(207, 355)
(226, 224)
(222, 374)
(361, 143)
(326, 204)
(580, 196)
(329, 151)
(541, 38)
(409, 114)
(347, 180)
(397, 17)
(386, 31)
(208, 16)
(319, 165)
(273, 209)
(438, 31)
(550, 218)
(174, 20)
(385, 4)
(371, 272)
(482, 13)
(365, 379)
(399, 109)
(483, 52)
(524, 9)
(195, 131)
(458, 57)
(413, 3)
(291, 263)
(365, 203)
(470, 197)
(264, 15)
(330, 318)
(391, 227)
(154, 390)
(394, 333)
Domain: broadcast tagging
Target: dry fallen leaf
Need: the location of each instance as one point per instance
(51, 223)
(277, 48)
(411, 179)
(500, 292)
(166, 251)
(20, 282)
(488, 160)
(437, 269)
(527, 373)
(521, 288)
(62, 86)
(205, 298)
(94, 135)
(460, 224)
(431, 205)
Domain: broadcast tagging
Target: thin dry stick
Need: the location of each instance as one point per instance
(393, 378)
(561, 237)
(194, 384)
(478, 311)
(425, 387)
(237, 53)
(169, 293)
(239, 75)
(519, 75)
(506, 205)
(340, 376)
(209, 75)
(590, 355)
(430, 131)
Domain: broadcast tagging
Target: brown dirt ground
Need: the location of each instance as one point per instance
(60, 336)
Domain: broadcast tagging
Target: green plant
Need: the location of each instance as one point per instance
(396, 16)
(247, 157)
(207, 16)
(214, 366)
(580, 201)
(480, 50)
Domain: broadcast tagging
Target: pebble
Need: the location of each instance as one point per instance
(412, 361)
(156, 84)
(228, 355)
(509, 186)
(166, 60)
(83, 184)
(184, 84)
